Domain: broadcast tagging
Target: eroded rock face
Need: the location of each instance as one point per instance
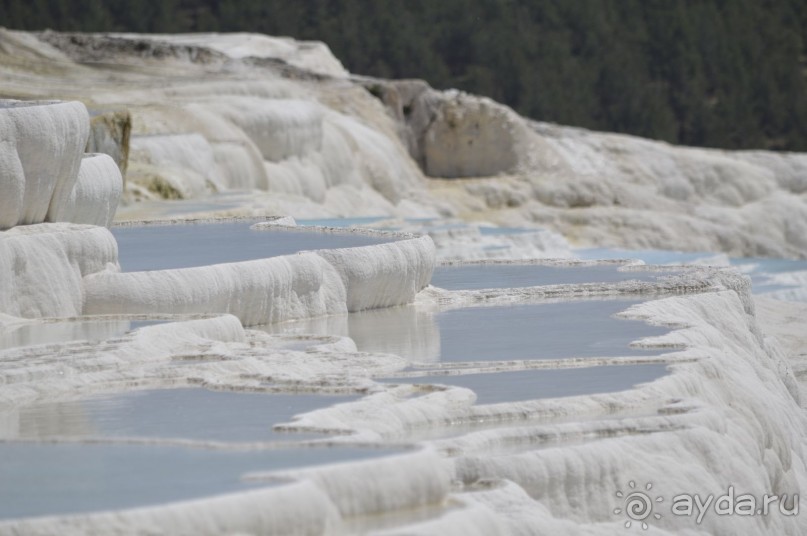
(109, 134)
(452, 134)
(471, 137)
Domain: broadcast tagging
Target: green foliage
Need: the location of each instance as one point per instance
(721, 73)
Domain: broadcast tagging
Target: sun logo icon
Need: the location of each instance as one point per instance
(638, 505)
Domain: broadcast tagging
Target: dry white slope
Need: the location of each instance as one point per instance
(311, 142)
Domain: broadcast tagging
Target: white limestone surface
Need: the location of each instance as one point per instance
(94, 198)
(257, 292)
(383, 275)
(313, 56)
(41, 145)
(281, 128)
(525, 467)
(186, 162)
(43, 267)
(271, 290)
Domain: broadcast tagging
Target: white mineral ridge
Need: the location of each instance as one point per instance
(313, 56)
(383, 275)
(240, 165)
(468, 243)
(551, 464)
(325, 147)
(34, 373)
(94, 198)
(281, 128)
(186, 161)
(296, 148)
(275, 289)
(726, 436)
(41, 145)
(283, 221)
(43, 267)
(308, 149)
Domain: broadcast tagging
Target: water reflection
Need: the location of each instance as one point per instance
(583, 328)
(407, 331)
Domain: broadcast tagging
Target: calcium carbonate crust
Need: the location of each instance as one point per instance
(93, 200)
(288, 287)
(533, 466)
(41, 144)
(45, 265)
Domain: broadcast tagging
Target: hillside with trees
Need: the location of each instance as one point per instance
(716, 73)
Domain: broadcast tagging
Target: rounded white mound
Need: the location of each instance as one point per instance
(94, 198)
(43, 267)
(41, 144)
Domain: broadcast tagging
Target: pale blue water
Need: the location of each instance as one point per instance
(39, 479)
(188, 413)
(160, 247)
(466, 277)
(581, 328)
(649, 256)
(516, 386)
(541, 331)
(69, 330)
(162, 207)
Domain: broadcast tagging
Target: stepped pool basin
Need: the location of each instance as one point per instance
(499, 333)
(161, 247)
(479, 276)
(62, 331)
(520, 385)
(38, 479)
(186, 413)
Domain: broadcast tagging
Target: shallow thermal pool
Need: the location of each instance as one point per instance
(160, 247)
(476, 276)
(186, 413)
(67, 331)
(50, 478)
(580, 328)
(585, 328)
(516, 386)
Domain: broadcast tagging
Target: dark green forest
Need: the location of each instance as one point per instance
(718, 73)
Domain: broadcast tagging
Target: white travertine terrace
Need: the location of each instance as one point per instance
(550, 464)
(52, 264)
(277, 289)
(312, 56)
(730, 411)
(43, 266)
(94, 197)
(41, 144)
